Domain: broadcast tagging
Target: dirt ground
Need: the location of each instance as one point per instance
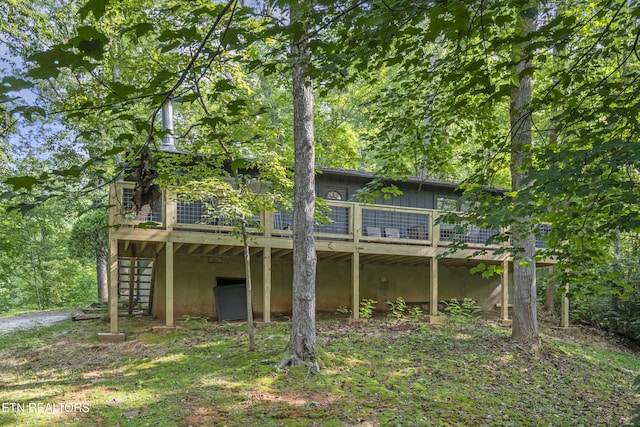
(31, 320)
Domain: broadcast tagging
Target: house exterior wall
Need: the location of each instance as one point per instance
(412, 196)
(195, 278)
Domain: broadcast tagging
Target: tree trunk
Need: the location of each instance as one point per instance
(35, 274)
(101, 275)
(247, 271)
(303, 328)
(525, 322)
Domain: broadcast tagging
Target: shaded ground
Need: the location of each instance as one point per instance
(31, 320)
(377, 373)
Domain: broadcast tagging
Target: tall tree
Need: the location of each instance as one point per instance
(525, 324)
(303, 325)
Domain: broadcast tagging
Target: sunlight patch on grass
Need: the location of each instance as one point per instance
(156, 362)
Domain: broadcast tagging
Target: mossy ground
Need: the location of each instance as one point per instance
(377, 373)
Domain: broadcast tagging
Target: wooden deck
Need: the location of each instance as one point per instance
(356, 233)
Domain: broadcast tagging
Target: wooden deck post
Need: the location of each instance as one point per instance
(113, 285)
(433, 288)
(433, 317)
(504, 295)
(266, 285)
(355, 285)
(564, 308)
(434, 229)
(169, 284)
(170, 210)
(113, 336)
(133, 273)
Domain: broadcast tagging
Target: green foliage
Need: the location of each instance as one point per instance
(487, 271)
(343, 310)
(461, 311)
(398, 308)
(89, 235)
(366, 308)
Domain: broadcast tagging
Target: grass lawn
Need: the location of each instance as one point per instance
(380, 373)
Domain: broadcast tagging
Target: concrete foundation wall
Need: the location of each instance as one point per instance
(195, 278)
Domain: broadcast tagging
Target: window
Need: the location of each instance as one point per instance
(333, 195)
(331, 192)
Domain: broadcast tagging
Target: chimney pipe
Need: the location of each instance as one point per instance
(167, 125)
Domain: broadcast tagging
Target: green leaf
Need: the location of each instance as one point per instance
(13, 84)
(224, 85)
(139, 29)
(18, 182)
(236, 105)
(529, 13)
(481, 267)
(114, 151)
(7, 195)
(92, 48)
(238, 164)
(97, 7)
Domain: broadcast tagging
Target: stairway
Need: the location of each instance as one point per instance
(135, 285)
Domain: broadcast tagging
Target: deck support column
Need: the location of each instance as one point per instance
(433, 288)
(169, 284)
(113, 335)
(564, 308)
(355, 285)
(433, 316)
(113, 285)
(266, 285)
(504, 295)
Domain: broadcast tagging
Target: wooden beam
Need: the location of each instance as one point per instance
(192, 249)
(237, 250)
(169, 284)
(176, 246)
(433, 288)
(207, 249)
(279, 253)
(266, 285)
(113, 285)
(224, 249)
(504, 298)
(342, 257)
(126, 245)
(143, 246)
(355, 285)
(159, 247)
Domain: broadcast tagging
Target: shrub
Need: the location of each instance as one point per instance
(461, 311)
(366, 308)
(398, 308)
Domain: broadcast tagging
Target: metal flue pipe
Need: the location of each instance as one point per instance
(167, 127)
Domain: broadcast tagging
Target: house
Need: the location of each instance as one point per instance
(392, 248)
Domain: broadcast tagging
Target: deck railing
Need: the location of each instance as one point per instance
(346, 221)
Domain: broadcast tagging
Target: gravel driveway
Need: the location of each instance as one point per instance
(32, 320)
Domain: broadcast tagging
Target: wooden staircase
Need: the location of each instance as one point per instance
(135, 285)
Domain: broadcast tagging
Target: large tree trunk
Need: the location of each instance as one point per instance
(303, 328)
(525, 322)
(101, 275)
